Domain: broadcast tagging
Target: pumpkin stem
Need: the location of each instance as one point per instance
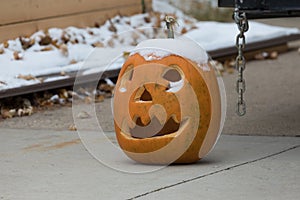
(170, 22)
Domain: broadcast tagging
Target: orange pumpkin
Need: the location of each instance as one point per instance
(167, 109)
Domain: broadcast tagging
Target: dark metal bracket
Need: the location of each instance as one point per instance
(256, 9)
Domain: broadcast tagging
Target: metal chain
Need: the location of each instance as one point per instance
(242, 22)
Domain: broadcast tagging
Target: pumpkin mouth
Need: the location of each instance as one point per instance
(154, 128)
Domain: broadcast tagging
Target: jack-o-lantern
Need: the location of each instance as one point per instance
(167, 105)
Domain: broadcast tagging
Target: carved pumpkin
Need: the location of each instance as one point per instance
(167, 107)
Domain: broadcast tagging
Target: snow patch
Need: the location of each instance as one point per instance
(156, 49)
(175, 86)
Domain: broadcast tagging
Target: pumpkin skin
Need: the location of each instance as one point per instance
(193, 127)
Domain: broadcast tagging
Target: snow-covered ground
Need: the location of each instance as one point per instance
(23, 61)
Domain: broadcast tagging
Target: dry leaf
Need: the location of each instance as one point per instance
(74, 95)
(2, 51)
(57, 100)
(128, 23)
(91, 32)
(99, 98)
(83, 115)
(17, 55)
(88, 100)
(230, 70)
(84, 92)
(5, 44)
(40, 79)
(46, 40)
(55, 44)
(26, 77)
(64, 49)
(106, 88)
(49, 48)
(229, 63)
(26, 42)
(184, 30)
(147, 19)
(98, 44)
(5, 113)
(112, 27)
(25, 111)
(261, 56)
(274, 55)
(97, 25)
(73, 61)
(62, 73)
(126, 54)
(72, 127)
(63, 94)
(108, 95)
(3, 83)
(26, 103)
(111, 43)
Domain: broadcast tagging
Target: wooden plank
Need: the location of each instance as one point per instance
(148, 5)
(16, 11)
(78, 20)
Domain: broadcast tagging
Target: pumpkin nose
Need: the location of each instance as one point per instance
(145, 96)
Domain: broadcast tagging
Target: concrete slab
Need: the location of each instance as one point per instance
(273, 178)
(41, 164)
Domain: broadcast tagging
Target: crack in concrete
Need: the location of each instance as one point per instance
(215, 172)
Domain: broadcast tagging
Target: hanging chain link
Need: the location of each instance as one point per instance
(242, 22)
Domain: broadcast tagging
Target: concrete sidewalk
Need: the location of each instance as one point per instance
(40, 164)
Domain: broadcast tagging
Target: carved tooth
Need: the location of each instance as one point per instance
(175, 118)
